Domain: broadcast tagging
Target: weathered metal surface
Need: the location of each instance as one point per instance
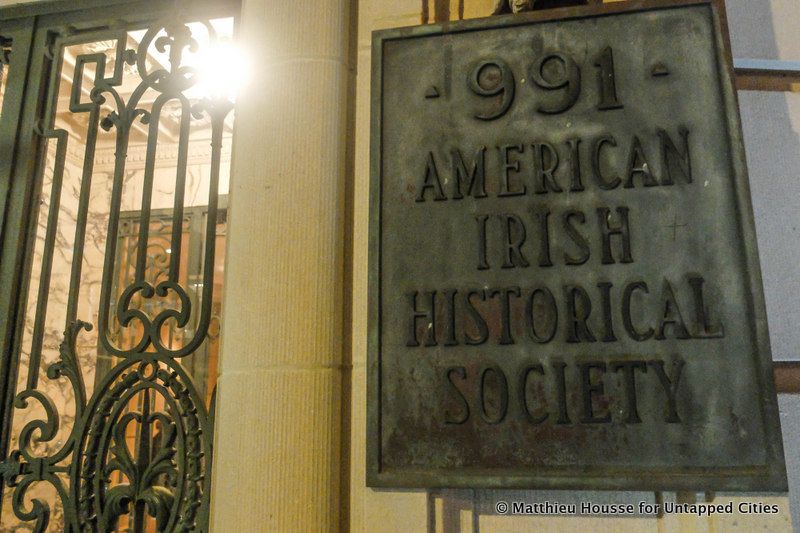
(564, 280)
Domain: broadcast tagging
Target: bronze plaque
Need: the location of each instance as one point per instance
(564, 279)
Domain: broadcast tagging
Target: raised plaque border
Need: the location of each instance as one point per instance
(770, 477)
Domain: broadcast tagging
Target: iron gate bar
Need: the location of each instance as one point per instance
(20, 34)
(19, 186)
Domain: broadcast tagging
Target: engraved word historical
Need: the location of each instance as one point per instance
(565, 291)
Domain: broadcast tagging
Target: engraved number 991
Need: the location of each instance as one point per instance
(554, 72)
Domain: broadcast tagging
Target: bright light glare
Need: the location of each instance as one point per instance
(223, 70)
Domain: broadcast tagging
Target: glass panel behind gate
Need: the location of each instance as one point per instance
(119, 339)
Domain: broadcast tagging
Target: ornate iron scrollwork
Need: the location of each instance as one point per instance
(164, 471)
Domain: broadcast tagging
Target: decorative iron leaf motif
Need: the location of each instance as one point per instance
(164, 473)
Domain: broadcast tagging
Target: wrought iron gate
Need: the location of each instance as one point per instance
(112, 169)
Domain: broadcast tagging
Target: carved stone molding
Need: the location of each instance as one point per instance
(166, 156)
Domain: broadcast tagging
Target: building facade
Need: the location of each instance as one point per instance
(280, 185)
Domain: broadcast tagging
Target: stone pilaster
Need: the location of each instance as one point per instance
(277, 442)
